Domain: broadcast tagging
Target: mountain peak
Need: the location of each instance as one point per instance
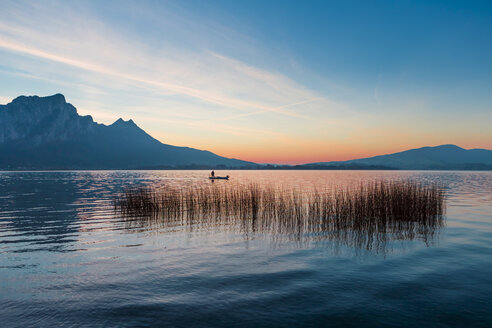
(448, 147)
(59, 98)
(24, 99)
(47, 132)
(56, 98)
(122, 122)
(446, 156)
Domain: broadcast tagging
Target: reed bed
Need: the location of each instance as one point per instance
(367, 214)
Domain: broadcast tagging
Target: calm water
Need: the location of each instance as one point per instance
(68, 259)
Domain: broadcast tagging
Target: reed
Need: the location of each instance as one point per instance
(367, 214)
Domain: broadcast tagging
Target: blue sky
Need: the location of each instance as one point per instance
(269, 81)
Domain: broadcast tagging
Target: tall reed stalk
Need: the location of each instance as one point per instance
(373, 210)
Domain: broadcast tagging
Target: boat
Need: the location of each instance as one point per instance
(219, 178)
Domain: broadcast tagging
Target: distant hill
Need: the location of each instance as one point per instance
(47, 133)
(444, 157)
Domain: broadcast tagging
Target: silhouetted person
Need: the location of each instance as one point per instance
(212, 174)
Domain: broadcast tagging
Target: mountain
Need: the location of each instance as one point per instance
(444, 157)
(47, 133)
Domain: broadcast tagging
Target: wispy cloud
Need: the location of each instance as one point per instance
(4, 100)
(202, 75)
(174, 73)
(274, 109)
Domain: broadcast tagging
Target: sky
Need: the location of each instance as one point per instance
(265, 81)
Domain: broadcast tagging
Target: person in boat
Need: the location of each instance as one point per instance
(212, 173)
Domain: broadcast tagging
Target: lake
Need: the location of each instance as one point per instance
(68, 258)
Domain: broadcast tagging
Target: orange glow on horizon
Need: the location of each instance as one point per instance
(315, 143)
(312, 154)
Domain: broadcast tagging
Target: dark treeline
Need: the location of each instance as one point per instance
(354, 166)
(271, 167)
(470, 167)
(204, 167)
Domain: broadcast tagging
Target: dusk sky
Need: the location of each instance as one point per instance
(265, 81)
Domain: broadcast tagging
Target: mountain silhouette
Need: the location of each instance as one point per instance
(47, 133)
(444, 157)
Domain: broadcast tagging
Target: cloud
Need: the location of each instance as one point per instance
(175, 74)
(5, 100)
(80, 40)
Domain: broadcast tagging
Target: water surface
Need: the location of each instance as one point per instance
(67, 258)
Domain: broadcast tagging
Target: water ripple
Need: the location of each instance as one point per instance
(68, 260)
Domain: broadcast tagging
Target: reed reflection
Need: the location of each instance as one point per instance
(367, 216)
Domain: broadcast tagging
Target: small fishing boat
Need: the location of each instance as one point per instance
(219, 178)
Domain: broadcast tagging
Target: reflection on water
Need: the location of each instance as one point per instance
(68, 259)
(367, 216)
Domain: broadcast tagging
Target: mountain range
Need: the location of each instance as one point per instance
(444, 157)
(47, 133)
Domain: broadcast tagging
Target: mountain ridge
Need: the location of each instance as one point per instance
(48, 133)
(445, 157)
